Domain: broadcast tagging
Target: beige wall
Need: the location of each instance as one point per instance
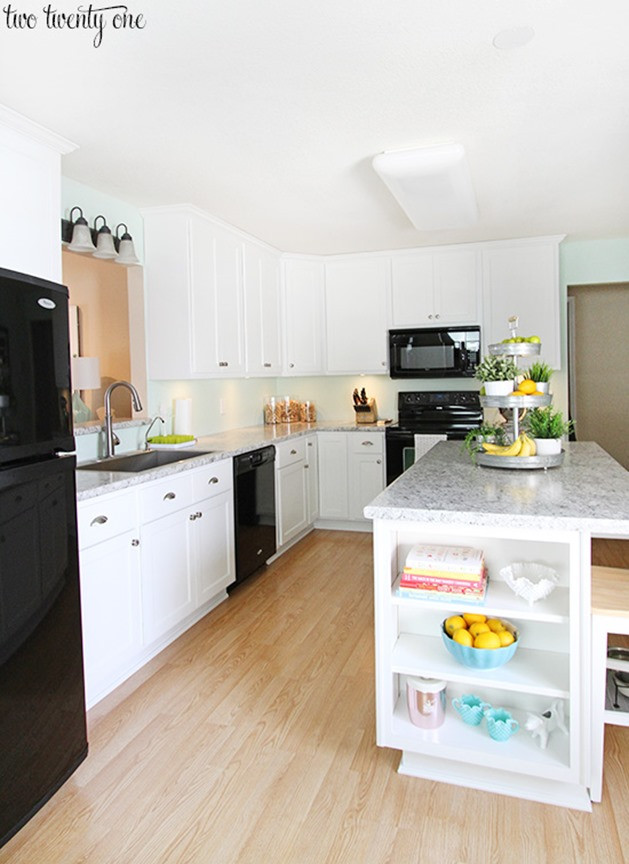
(601, 361)
(99, 289)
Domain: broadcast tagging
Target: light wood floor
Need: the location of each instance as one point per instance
(251, 741)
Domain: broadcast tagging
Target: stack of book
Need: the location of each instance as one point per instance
(444, 573)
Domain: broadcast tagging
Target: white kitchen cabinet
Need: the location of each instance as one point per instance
(194, 296)
(262, 290)
(213, 546)
(521, 278)
(291, 495)
(356, 315)
(351, 473)
(110, 591)
(312, 478)
(366, 472)
(302, 295)
(434, 287)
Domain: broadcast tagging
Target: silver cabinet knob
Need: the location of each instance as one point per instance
(437, 316)
(293, 452)
(267, 365)
(135, 542)
(99, 520)
(212, 480)
(223, 363)
(169, 496)
(367, 443)
(378, 461)
(291, 365)
(431, 317)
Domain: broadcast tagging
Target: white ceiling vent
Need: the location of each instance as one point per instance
(431, 184)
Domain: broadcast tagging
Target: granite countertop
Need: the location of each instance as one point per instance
(590, 491)
(211, 448)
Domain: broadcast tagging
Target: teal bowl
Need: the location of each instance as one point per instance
(480, 658)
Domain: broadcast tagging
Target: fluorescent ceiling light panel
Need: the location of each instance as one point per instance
(431, 184)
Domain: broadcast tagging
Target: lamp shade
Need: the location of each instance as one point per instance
(85, 373)
(431, 184)
(81, 237)
(126, 249)
(104, 241)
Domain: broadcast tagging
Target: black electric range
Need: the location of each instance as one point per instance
(430, 412)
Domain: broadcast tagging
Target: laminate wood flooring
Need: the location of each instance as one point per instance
(250, 740)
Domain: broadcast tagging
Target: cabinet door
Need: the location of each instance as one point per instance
(333, 495)
(312, 478)
(213, 546)
(292, 506)
(366, 480)
(523, 280)
(229, 317)
(168, 594)
(111, 612)
(356, 305)
(457, 287)
(261, 273)
(412, 290)
(303, 317)
(168, 296)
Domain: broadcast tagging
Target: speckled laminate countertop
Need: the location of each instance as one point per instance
(590, 491)
(211, 448)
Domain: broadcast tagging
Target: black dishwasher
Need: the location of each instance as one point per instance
(254, 510)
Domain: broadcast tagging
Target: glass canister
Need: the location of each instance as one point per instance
(307, 413)
(426, 700)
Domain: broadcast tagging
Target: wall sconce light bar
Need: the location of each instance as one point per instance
(77, 236)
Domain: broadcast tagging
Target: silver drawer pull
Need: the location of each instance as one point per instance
(99, 520)
(169, 496)
(213, 480)
(223, 363)
(293, 452)
(198, 514)
(267, 365)
(367, 443)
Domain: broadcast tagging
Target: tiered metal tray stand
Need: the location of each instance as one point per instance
(515, 404)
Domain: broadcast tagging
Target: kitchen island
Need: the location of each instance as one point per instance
(548, 517)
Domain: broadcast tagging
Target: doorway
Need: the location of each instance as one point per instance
(598, 360)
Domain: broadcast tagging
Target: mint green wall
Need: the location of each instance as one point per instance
(95, 203)
(589, 262)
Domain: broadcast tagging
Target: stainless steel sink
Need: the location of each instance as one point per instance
(142, 461)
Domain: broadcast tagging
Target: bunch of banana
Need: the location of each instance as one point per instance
(522, 446)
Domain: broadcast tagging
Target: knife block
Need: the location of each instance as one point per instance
(367, 413)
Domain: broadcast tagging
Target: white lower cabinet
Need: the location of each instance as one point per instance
(312, 478)
(547, 666)
(291, 494)
(351, 473)
(153, 560)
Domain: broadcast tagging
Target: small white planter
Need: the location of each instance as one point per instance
(543, 386)
(498, 388)
(547, 446)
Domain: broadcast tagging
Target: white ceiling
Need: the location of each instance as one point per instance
(267, 113)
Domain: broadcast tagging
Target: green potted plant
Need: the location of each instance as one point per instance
(497, 373)
(547, 427)
(540, 372)
(485, 432)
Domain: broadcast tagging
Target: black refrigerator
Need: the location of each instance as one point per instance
(42, 705)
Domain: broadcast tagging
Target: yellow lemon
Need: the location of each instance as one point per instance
(463, 637)
(478, 627)
(487, 640)
(527, 386)
(453, 623)
(495, 624)
(506, 638)
(474, 617)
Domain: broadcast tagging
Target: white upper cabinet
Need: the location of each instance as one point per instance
(356, 306)
(522, 278)
(263, 343)
(433, 287)
(303, 316)
(194, 296)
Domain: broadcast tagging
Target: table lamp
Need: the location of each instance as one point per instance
(85, 376)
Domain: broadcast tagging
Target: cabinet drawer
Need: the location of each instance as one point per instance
(165, 496)
(370, 442)
(212, 479)
(287, 452)
(103, 518)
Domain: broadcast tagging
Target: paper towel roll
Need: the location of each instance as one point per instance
(183, 416)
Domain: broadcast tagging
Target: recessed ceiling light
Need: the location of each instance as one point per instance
(514, 37)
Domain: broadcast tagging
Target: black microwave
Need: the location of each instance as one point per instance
(434, 352)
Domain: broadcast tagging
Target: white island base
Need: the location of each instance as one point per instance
(553, 659)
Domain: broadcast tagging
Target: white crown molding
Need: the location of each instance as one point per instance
(18, 123)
